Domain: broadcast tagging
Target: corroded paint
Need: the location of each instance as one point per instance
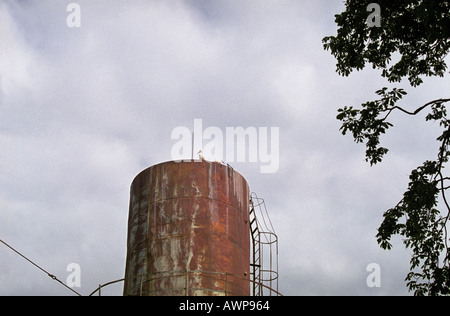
(188, 216)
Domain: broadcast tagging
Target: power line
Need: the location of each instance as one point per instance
(40, 268)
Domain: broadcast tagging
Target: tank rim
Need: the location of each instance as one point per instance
(184, 161)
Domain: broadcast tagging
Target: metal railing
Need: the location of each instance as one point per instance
(228, 281)
(100, 286)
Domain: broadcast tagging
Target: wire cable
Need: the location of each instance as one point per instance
(40, 268)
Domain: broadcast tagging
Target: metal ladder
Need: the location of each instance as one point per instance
(256, 255)
(264, 265)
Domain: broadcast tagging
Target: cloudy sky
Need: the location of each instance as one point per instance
(84, 109)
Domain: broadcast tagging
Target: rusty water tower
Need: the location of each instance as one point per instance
(192, 231)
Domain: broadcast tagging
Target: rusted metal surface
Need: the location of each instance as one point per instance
(188, 216)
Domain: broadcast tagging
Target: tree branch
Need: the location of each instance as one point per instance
(445, 219)
(418, 110)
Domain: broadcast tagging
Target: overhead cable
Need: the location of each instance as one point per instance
(40, 268)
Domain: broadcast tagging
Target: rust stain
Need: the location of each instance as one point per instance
(188, 216)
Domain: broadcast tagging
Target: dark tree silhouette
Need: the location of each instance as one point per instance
(418, 33)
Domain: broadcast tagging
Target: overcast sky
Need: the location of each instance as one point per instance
(84, 109)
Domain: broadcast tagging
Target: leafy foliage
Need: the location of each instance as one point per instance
(419, 32)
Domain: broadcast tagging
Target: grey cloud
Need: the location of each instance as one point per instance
(92, 107)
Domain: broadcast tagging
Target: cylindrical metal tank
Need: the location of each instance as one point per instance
(188, 231)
